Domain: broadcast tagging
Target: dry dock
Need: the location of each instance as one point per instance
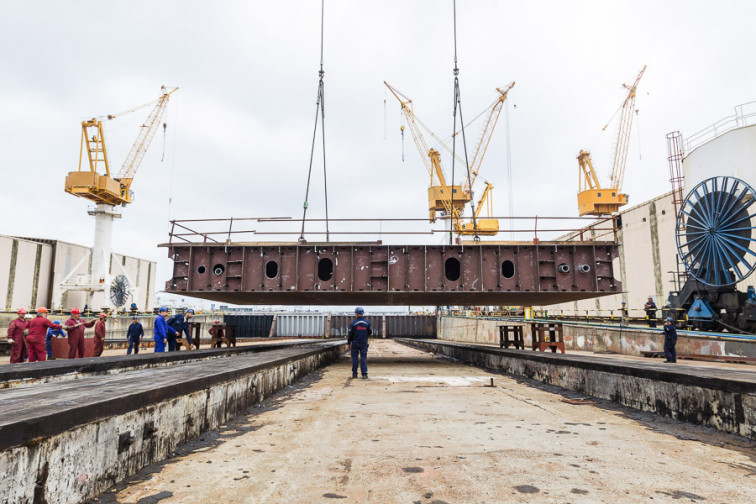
(424, 429)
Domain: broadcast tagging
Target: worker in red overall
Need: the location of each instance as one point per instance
(75, 329)
(16, 337)
(99, 339)
(35, 340)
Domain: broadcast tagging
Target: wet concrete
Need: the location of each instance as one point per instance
(427, 430)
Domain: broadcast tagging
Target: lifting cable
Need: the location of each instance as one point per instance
(319, 111)
(458, 104)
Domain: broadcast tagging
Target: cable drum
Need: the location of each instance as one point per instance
(714, 231)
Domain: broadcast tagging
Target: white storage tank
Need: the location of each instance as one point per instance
(726, 148)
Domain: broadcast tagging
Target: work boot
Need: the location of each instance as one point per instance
(364, 377)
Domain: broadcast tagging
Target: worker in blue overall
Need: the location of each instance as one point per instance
(134, 333)
(357, 342)
(52, 333)
(180, 324)
(670, 340)
(162, 330)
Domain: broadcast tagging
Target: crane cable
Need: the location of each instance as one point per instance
(319, 112)
(458, 104)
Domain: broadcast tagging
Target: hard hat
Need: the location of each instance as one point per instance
(75, 311)
(41, 309)
(28, 316)
(135, 317)
(22, 312)
(190, 311)
(56, 321)
(163, 308)
(623, 302)
(103, 314)
(670, 319)
(359, 310)
(217, 322)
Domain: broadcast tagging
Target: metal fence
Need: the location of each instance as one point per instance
(251, 326)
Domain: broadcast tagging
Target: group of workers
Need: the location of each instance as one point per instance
(31, 336)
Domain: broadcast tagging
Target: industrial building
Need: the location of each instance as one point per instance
(53, 273)
(648, 261)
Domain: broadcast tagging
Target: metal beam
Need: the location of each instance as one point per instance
(374, 274)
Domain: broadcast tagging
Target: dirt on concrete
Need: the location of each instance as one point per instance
(426, 430)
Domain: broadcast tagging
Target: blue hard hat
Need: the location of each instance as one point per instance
(190, 310)
(359, 310)
(163, 308)
(670, 319)
(56, 321)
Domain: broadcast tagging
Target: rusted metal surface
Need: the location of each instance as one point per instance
(375, 274)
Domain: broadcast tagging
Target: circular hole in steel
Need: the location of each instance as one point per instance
(218, 269)
(507, 269)
(564, 268)
(201, 270)
(271, 269)
(325, 269)
(452, 269)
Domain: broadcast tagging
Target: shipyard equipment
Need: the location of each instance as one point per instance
(449, 199)
(95, 181)
(593, 199)
(716, 245)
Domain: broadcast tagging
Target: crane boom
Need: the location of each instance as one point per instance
(623, 136)
(485, 137)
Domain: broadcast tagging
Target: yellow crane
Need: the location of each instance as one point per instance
(592, 198)
(93, 180)
(439, 192)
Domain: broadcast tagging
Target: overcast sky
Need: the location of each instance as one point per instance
(240, 127)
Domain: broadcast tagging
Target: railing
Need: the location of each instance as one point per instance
(225, 231)
(745, 115)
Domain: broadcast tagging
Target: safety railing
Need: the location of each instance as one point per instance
(745, 115)
(224, 231)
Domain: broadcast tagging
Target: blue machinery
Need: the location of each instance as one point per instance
(715, 243)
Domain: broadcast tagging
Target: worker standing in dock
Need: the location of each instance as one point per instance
(134, 333)
(75, 328)
(357, 341)
(99, 338)
(161, 330)
(650, 308)
(180, 324)
(16, 337)
(37, 330)
(623, 314)
(670, 340)
(52, 333)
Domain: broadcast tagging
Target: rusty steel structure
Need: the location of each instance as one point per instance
(371, 273)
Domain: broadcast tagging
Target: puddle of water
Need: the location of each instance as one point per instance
(452, 381)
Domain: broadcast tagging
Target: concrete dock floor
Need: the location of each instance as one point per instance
(426, 430)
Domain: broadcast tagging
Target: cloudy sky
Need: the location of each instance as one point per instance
(240, 127)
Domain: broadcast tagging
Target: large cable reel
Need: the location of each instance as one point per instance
(715, 231)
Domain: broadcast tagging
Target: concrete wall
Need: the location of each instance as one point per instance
(711, 402)
(600, 338)
(85, 460)
(37, 266)
(24, 273)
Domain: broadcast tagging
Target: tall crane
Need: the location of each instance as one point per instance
(439, 192)
(94, 181)
(592, 198)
